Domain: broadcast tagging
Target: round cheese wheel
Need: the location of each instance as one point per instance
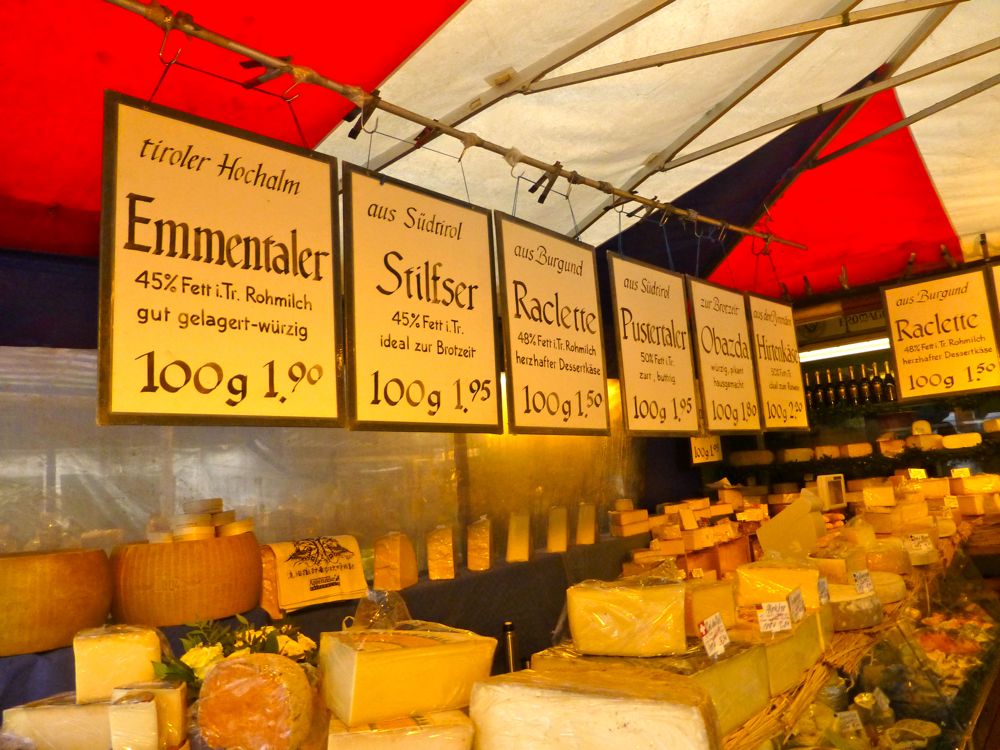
(258, 700)
(889, 587)
(46, 597)
(187, 581)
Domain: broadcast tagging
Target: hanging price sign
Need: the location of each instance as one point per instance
(782, 396)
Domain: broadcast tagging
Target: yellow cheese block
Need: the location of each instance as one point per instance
(688, 519)
(182, 582)
(879, 497)
(789, 655)
(113, 655)
(837, 566)
(855, 450)
(519, 546)
(650, 556)
(703, 598)
(639, 527)
(586, 524)
(479, 544)
(888, 555)
(889, 587)
(444, 730)
(658, 522)
(924, 442)
(695, 539)
(975, 485)
(668, 546)
(627, 517)
(171, 708)
(751, 458)
(853, 611)
(971, 505)
(732, 496)
(628, 617)
(991, 425)
(961, 440)
(440, 553)
(374, 675)
(395, 562)
(46, 597)
(59, 723)
(255, 701)
(624, 503)
(557, 532)
(697, 503)
(827, 451)
(758, 583)
(791, 455)
(921, 427)
(929, 487)
(132, 718)
(891, 448)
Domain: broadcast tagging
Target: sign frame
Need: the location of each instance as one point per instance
(350, 317)
(113, 100)
(701, 370)
(512, 425)
(609, 254)
(798, 366)
(991, 295)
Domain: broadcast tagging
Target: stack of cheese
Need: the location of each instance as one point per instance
(202, 519)
(976, 495)
(117, 703)
(402, 688)
(628, 522)
(889, 509)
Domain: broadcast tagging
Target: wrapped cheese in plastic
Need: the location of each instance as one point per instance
(889, 555)
(790, 654)
(837, 560)
(634, 616)
(591, 710)
(852, 610)
(446, 730)
(107, 657)
(858, 532)
(774, 578)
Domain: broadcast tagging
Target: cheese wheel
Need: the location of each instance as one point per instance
(181, 582)
(46, 597)
(889, 587)
(256, 701)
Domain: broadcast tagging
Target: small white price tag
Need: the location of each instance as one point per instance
(916, 473)
(714, 636)
(918, 543)
(863, 582)
(697, 573)
(796, 605)
(824, 591)
(849, 722)
(774, 617)
(951, 502)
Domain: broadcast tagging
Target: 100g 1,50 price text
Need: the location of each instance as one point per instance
(577, 404)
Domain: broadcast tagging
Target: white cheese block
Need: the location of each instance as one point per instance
(624, 503)
(479, 544)
(133, 722)
(961, 440)
(591, 710)
(440, 553)
(704, 598)
(114, 655)
(171, 708)
(855, 450)
(853, 611)
(395, 562)
(59, 723)
(628, 617)
(791, 455)
(373, 675)
(889, 587)
(519, 544)
(557, 533)
(789, 655)
(445, 730)
(975, 485)
(924, 442)
(586, 524)
(758, 583)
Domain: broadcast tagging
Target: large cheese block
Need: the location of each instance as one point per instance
(971, 505)
(889, 587)
(557, 533)
(888, 555)
(704, 598)
(395, 562)
(445, 730)
(974, 485)
(853, 611)
(60, 723)
(789, 655)
(837, 564)
(188, 581)
(107, 657)
(586, 523)
(440, 553)
(479, 544)
(519, 546)
(591, 710)
(255, 701)
(736, 681)
(171, 708)
(855, 450)
(46, 597)
(624, 503)
(697, 503)
(883, 496)
(765, 581)
(133, 722)
(961, 440)
(924, 442)
(628, 617)
(372, 675)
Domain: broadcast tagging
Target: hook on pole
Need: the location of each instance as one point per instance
(371, 102)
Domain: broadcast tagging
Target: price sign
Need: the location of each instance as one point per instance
(706, 449)
(714, 636)
(774, 617)
(654, 349)
(918, 544)
(796, 605)
(951, 502)
(219, 275)
(849, 722)
(863, 582)
(782, 397)
(697, 573)
(942, 336)
(824, 591)
(556, 380)
(962, 471)
(421, 309)
(725, 364)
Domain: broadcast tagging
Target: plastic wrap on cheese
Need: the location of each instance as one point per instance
(853, 611)
(737, 681)
(774, 578)
(789, 655)
(60, 723)
(888, 555)
(591, 710)
(446, 730)
(838, 559)
(859, 532)
(634, 616)
(107, 657)
(373, 675)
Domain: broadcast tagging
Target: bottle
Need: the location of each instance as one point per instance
(831, 390)
(876, 383)
(510, 647)
(841, 387)
(864, 387)
(807, 391)
(889, 384)
(853, 389)
(819, 395)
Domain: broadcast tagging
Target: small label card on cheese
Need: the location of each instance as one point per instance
(863, 582)
(714, 635)
(918, 543)
(774, 617)
(824, 591)
(796, 605)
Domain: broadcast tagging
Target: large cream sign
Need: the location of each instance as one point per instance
(556, 381)
(942, 336)
(218, 275)
(725, 363)
(421, 309)
(655, 360)
(782, 397)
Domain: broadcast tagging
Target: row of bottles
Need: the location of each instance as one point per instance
(869, 388)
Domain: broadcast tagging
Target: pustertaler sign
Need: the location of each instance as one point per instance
(219, 280)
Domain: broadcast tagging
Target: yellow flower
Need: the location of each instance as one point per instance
(202, 658)
(290, 648)
(238, 653)
(307, 643)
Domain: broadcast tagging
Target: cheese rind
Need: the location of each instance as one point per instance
(171, 708)
(961, 440)
(60, 723)
(107, 657)
(889, 587)
(703, 598)
(395, 562)
(628, 617)
(853, 611)
(445, 730)
(924, 442)
(767, 582)
(372, 675)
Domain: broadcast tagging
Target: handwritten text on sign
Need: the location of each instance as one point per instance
(552, 323)
(218, 274)
(654, 348)
(782, 397)
(942, 336)
(722, 341)
(420, 281)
